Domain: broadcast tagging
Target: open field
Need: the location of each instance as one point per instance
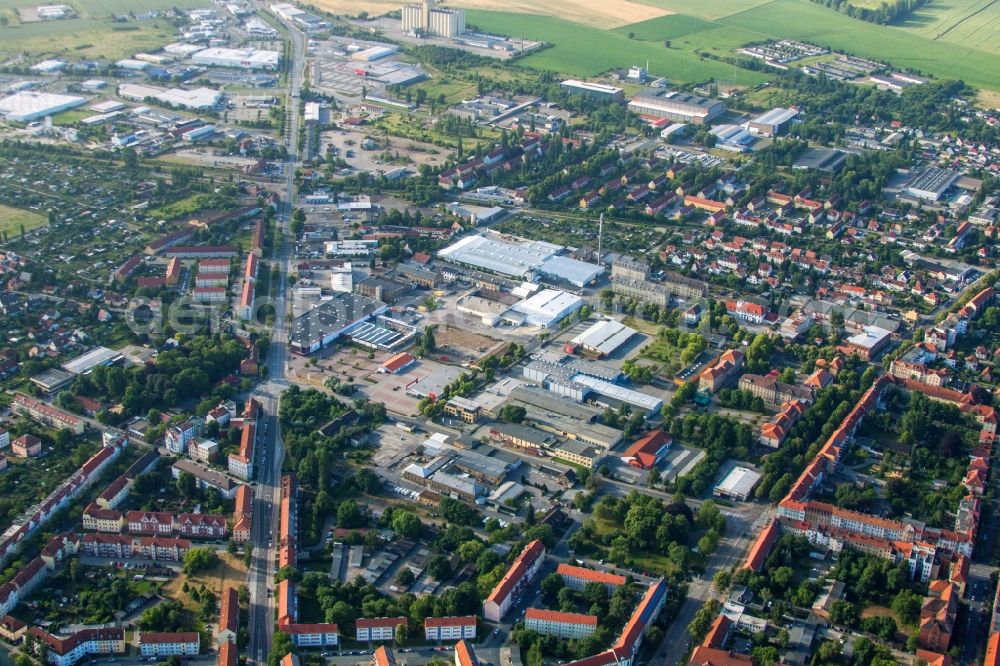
(11, 220)
(947, 39)
(974, 23)
(583, 51)
(91, 35)
(230, 571)
(84, 38)
(597, 13)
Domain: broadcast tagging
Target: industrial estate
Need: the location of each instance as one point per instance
(359, 334)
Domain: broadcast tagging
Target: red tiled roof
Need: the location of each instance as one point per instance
(558, 616)
(590, 575)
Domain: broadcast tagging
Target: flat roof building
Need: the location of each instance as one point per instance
(676, 106)
(548, 307)
(738, 483)
(326, 322)
(827, 160)
(595, 90)
(97, 356)
(604, 337)
(28, 105)
(931, 183)
(869, 342)
(240, 58)
(773, 122)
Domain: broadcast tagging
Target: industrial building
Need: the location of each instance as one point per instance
(426, 19)
(595, 90)
(198, 98)
(524, 259)
(931, 183)
(86, 362)
(548, 307)
(773, 122)
(826, 160)
(240, 58)
(326, 322)
(733, 138)
(869, 342)
(28, 105)
(604, 337)
(676, 105)
(737, 484)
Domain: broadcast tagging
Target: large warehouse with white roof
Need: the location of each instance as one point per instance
(604, 337)
(28, 105)
(524, 259)
(241, 58)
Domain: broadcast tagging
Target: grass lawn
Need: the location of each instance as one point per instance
(230, 571)
(11, 220)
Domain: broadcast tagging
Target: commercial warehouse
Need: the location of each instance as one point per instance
(604, 337)
(931, 183)
(676, 106)
(738, 483)
(198, 98)
(524, 259)
(548, 307)
(28, 105)
(240, 58)
(772, 123)
(97, 356)
(326, 322)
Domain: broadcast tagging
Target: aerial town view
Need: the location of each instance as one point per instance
(469, 333)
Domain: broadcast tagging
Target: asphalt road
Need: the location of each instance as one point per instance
(270, 453)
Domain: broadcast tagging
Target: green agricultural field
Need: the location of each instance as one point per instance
(974, 23)
(11, 220)
(913, 44)
(581, 51)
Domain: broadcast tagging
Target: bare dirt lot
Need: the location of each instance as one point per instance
(230, 571)
(456, 342)
(598, 13)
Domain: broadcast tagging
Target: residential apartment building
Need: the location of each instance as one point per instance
(378, 628)
(313, 635)
(243, 514)
(720, 373)
(576, 578)
(449, 628)
(524, 569)
(168, 644)
(561, 625)
(46, 414)
(84, 643)
(773, 392)
(229, 616)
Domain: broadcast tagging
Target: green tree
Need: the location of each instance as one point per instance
(199, 559)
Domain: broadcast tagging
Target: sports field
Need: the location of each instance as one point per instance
(11, 220)
(957, 39)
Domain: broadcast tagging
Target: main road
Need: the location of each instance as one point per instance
(270, 451)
